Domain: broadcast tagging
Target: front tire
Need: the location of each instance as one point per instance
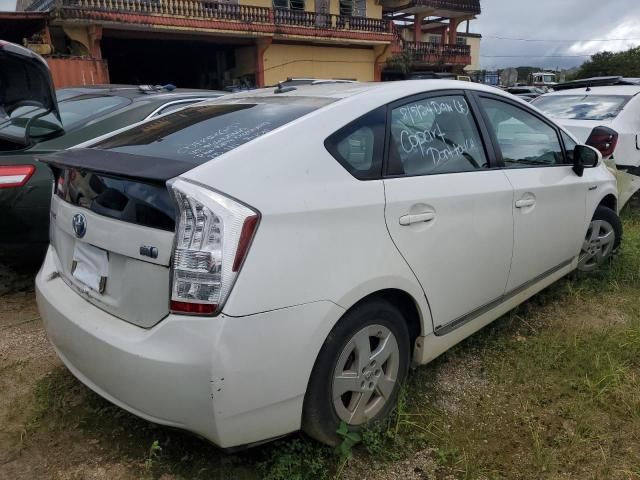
(601, 241)
(359, 371)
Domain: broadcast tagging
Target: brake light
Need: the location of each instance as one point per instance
(213, 236)
(15, 175)
(603, 139)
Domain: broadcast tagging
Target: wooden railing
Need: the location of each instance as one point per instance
(202, 9)
(439, 50)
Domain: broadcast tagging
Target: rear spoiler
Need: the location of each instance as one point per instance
(136, 167)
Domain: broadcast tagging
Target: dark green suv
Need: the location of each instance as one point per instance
(36, 120)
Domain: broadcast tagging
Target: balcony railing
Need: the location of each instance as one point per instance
(204, 10)
(438, 52)
(470, 6)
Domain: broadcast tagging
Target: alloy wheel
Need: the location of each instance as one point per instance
(365, 374)
(597, 246)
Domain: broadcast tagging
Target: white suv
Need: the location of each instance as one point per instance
(277, 260)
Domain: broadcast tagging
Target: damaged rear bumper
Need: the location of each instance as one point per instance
(232, 380)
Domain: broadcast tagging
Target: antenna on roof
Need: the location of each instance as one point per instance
(282, 89)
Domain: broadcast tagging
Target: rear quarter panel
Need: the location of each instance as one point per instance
(322, 234)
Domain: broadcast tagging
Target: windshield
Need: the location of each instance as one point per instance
(582, 107)
(74, 111)
(199, 133)
(549, 78)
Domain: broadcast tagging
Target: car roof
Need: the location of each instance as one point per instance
(134, 92)
(627, 90)
(338, 91)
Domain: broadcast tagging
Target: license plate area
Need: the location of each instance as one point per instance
(90, 266)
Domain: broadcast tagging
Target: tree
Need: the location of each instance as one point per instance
(604, 64)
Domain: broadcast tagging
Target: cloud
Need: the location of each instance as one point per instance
(554, 33)
(7, 5)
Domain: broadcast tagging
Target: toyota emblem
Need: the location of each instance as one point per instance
(79, 225)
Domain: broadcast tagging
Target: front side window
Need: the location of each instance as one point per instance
(524, 139)
(359, 146)
(582, 107)
(434, 136)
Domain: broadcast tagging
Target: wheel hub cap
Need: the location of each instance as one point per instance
(597, 246)
(365, 374)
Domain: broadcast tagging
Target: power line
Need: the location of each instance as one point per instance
(537, 56)
(563, 41)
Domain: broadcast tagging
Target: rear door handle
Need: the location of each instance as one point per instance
(524, 203)
(425, 217)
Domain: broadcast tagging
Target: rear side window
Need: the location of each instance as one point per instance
(582, 107)
(359, 146)
(200, 133)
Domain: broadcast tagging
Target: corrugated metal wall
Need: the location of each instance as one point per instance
(77, 71)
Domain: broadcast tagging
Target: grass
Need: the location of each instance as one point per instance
(551, 390)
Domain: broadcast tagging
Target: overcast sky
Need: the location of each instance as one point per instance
(552, 21)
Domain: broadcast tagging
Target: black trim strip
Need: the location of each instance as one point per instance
(459, 322)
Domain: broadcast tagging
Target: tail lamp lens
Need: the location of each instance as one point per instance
(213, 235)
(15, 175)
(603, 139)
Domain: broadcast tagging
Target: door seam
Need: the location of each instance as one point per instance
(386, 225)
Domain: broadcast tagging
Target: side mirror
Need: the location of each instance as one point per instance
(585, 156)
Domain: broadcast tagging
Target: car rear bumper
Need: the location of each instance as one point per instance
(235, 381)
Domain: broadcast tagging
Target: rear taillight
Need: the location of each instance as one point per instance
(213, 236)
(603, 139)
(15, 176)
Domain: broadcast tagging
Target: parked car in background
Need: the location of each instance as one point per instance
(606, 117)
(526, 93)
(32, 126)
(277, 259)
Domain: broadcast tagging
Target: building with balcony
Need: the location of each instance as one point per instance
(223, 43)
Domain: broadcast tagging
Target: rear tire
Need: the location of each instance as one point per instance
(601, 241)
(359, 371)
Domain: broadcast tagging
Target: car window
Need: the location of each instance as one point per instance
(434, 135)
(176, 106)
(359, 145)
(74, 111)
(198, 134)
(78, 109)
(582, 107)
(524, 139)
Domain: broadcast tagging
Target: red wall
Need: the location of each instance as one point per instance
(77, 71)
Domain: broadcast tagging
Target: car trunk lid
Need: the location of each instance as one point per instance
(25, 81)
(582, 128)
(113, 236)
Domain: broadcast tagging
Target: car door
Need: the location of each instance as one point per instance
(447, 210)
(549, 205)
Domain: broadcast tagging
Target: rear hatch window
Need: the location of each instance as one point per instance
(200, 133)
(112, 204)
(582, 107)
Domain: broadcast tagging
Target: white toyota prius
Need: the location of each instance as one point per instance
(278, 259)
